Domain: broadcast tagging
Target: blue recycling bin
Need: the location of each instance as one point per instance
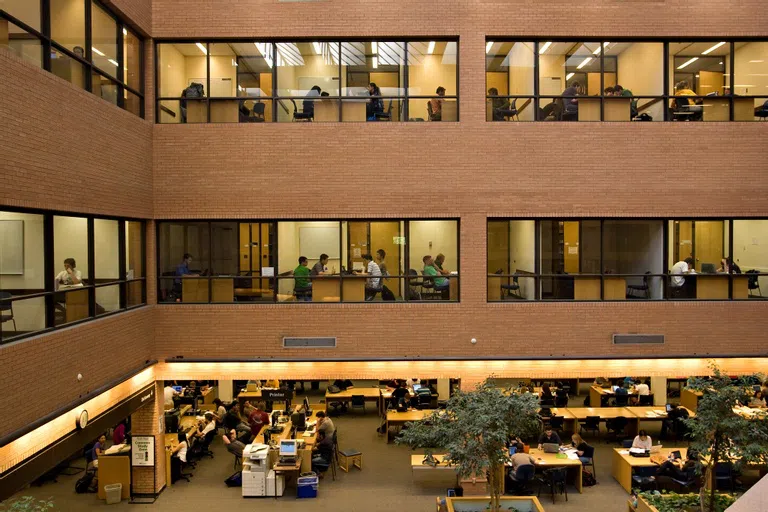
(307, 486)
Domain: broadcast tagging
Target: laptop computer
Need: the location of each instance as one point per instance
(416, 387)
(656, 448)
(676, 454)
(669, 408)
(550, 448)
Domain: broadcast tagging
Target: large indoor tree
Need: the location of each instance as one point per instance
(719, 434)
(474, 430)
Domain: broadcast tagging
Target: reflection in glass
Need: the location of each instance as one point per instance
(104, 87)
(22, 43)
(132, 60)
(67, 68)
(511, 257)
(104, 45)
(433, 254)
(432, 74)
(68, 25)
(24, 10)
(509, 71)
(748, 259)
(107, 258)
(107, 299)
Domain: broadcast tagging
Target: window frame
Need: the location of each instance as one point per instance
(538, 276)
(274, 99)
(89, 68)
(274, 281)
(50, 267)
(667, 90)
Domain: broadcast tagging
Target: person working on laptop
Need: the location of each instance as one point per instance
(548, 437)
(726, 266)
(583, 450)
(679, 470)
(675, 413)
(642, 440)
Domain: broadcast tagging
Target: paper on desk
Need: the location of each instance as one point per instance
(624, 452)
(308, 434)
(571, 453)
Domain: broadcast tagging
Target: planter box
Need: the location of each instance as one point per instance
(644, 506)
(479, 503)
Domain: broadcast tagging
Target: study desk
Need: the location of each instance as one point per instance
(449, 111)
(644, 413)
(690, 399)
(453, 288)
(751, 412)
(716, 108)
(327, 110)
(441, 465)
(570, 422)
(614, 109)
(197, 111)
(225, 111)
(194, 289)
(604, 413)
(369, 395)
(623, 464)
(550, 460)
(599, 396)
(115, 469)
(711, 286)
(209, 395)
(588, 288)
(401, 418)
(327, 289)
(76, 303)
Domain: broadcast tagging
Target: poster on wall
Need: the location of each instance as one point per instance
(143, 451)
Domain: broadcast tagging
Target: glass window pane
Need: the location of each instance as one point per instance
(26, 11)
(63, 66)
(310, 240)
(566, 71)
(21, 42)
(373, 68)
(307, 69)
(748, 259)
(257, 242)
(169, 111)
(570, 248)
(134, 244)
(107, 299)
(511, 260)
(22, 271)
(104, 33)
(509, 72)
(70, 251)
(177, 240)
(132, 103)
(135, 293)
(106, 250)
(699, 69)
(104, 87)
(432, 74)
(634, 250)
(179, 66)
(433, 250)
(132, 60)
(697, 247)
(68, 25)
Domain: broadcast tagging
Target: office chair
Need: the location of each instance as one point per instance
(413, 283)
(554, 478)
(6, 305)
(510, 112)
(725, 476)
(358, 401)
(621, 400)
(645, 400)
(371, 293)
(520, 481)
(762, 111)
(644, 478)
(428, 286)
(205, 445)
(617, 428)
(514, 286)
(556, 423)
(644, 289)
(384, 116)
(753, 282)
(686, 110)
(258, 112)
(300, 116)
(591, 424)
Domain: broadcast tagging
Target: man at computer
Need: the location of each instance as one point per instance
(677, 281)
(322, 452)
(549, 436)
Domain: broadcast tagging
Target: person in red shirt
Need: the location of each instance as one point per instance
(118, 436)
(256, 418)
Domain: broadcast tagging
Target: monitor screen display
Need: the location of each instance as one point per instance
(287, 447)
(177, 389)
(614, 388)
(416, 387)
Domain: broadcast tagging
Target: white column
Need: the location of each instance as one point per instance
(443, 389)
(659, 389)
(225, 390)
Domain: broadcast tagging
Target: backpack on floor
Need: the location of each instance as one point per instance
(235, 480)
(587, 479)
(83, 484)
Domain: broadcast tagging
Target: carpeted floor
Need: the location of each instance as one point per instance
(386, 483)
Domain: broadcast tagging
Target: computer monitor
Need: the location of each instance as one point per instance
(707, 268)
(299, 420)
(307, 410)
(669, 408)
(416, 387)
(288, 447)
(177, 388)
(614, 388)
(676, 454)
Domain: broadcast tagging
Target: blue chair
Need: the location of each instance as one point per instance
(519, 481)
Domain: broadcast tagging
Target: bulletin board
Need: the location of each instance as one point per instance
(12, 247)
(313, 241)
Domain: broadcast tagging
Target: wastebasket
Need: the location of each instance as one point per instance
(113, 492)
(307, 486)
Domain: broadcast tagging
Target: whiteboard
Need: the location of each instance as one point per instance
(313, 241)
(12, 247)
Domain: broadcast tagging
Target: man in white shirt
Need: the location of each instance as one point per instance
(210, 424)
(70, 276)
(372, 284)
(642, 441)
(677, 282)
(642, 388)
(169, 393)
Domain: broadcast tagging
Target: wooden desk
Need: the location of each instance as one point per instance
(369, 395)
(614, 288)
(326, 289)
(645, 413)
(417, 465)
(494, 287)
(744, 412)
(400, 418)
(352, 110)
(197, 111)
(209, 395)
(531, 503)
(326, 111)
(599, 395)
(588, 288)
(115, 469)
(605, 413)
(614, 109)
(690, 399)
(550, 460)
(450, 111)
(225, 111)
(716, 108)
(589, 109)
(76, 303)
(740, 287)
(623, 465)
(194, 289)
(570, 422)
(223, 290)
(711, 286)
(743, 109)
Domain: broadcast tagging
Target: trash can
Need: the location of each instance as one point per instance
(113, 492)
(307, 486)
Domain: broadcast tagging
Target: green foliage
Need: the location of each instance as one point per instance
(27, 504)
(475, 429)
(673, 502)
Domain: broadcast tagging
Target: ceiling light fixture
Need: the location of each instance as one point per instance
(234, 63)
(710, 50)
(375, 47)
(202, 48)
(756, 61)
(584, 62)
(97, 51)
(600, 48)
(545, 47)
(318, 49)
(569, 76)
(686, 63)
(375, 62)
(125, 32)
(488, 46)
(113, 62)
(431, 47)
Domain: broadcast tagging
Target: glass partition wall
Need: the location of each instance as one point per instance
(308, 261)
(307, 81)
(626, 80)
(626, 259)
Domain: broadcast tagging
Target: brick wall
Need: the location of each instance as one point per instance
(137, 13)
(41, 372)
(66, 149)
(145, 422)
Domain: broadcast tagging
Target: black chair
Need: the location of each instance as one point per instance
(519, 481)
(371, 293)
(644, 478)
(627, 443)
(303, 294)
(591, 424)
(414, 285)
(384, 116)
(644, 289)
(762, 111)
(301, 116)
(686, 110)
(725, 476)
(547, 402)
(205, 445)
(753, 281)
(510, 288)
(358, 401)
(556, 423)
(554, 478)
(621, 400)
(177, 470)
(645, 400)
(561, 401)
(511, 112)
(6, 309)
(428, 287)
(258, 112)
(617, 428)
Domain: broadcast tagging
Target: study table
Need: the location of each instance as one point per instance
(115, 468)
(196, 289)
(643, 413)
(615, 108)
(623, 464)
(427, 469)
(328, 289)
(599, 396)
(716, 108)
(327, 110)
(551, 460)
(401, 418)
(368, 394)
(690, 399)
(76, 303)
(570, 422)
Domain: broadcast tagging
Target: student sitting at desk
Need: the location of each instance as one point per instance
(584, 451)
(677, 281)
(324, 424)
(182, 269)
(620, 91)
(640, 389)
(205, 426)
(675, 468)
(676, 413)
(372, 284)
(642, 440)
(181, 449)
(498, 105)
(375, 105)
(302, 285)
(518, 460)
(440, 283)
(549, 436)
(98, 449)
(234, 446)
(400, 393)
(320, 268)
(322, 453)
(220, 412)
(439, 262)
(70, 276)
(758, 400)
(308, 106)
(546, 393)
(727, 266)
(118, 435)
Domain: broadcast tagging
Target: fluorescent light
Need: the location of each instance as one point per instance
(318, 49)
(125, 32)
(431, 47)
(375, 62)
(600, 48)
(97, 51)
(755, 61)
(234, 63)
(375, 47)
(202, 48)
(684, 64)
(113, 61)
(710, 50)
(584, 62)
(488, 46)
(569, 76)
(545, 47)
(721, 63)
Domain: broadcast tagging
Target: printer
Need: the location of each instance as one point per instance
(256, 473)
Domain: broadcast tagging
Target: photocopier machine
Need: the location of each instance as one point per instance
(258, 479)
